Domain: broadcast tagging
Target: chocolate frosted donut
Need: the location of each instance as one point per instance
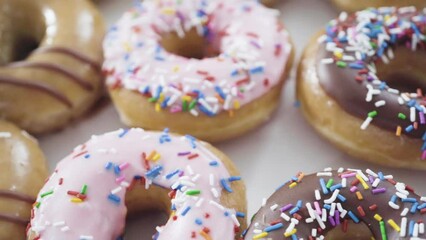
(362, 82)
(23, 171)
(50, 61)
(316, 206)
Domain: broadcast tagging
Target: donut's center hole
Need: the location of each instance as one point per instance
(406, 72)
(353, 231)
(189, 45)
(142, 226)
(21, 31)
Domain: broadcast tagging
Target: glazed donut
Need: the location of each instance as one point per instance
(50, 61)
(269, 3)
(352, 6)
(343, 204)
(360, 85)
(23, 171)
(87, 196)
(208, 68)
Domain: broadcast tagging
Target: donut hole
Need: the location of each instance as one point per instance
(191, 45)
(21, 31)
(406, 72)
(147, 209)
(354, 231)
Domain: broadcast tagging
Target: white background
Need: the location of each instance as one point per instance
(267, 156)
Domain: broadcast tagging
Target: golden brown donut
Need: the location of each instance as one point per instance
(165, 77)
(110, 177)
(352, 6)
(269, 3)
(50, 61)
(23, 171)
(337, 101)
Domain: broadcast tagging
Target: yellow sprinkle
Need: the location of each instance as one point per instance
(292, 185)
(127, 47)
(378, 217)
(394, 225)
(151, 155)
(338, 54)
(398, 131)
(161, 98)
(236, 104)
(372, 238)
(156, 157)
(76, 200)
(168, 11)
(260, 235)
(187, 98)
(364, 184)
(157, 107)
(288, 234)
(359, 195)
(205, 235)
(176, 69)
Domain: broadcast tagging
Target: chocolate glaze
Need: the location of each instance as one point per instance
(340, 84)
(54, 68)
(26, 83)
(17, 196)
(71, 53)
(305, 191)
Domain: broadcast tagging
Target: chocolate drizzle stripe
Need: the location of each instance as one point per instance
(13, 219)
(54, 68)
(17, 196)
(74, 54)
(25, 83)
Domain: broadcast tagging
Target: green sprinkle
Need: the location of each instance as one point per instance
(185, 106)
(372, 114)
(383, 230)
(341, 64)
(46, 194)
(37, 204)
(330, 183)
(193, 192)
(192, 104)
(153, 99)
(373, 45)
(402, 116)
(84, 189)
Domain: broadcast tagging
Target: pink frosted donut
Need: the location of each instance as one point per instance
(213, 69)
(87, 197)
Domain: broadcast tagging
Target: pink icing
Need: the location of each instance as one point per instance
(98, 217)
(254, 49)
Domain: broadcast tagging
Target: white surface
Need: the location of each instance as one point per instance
(266, 156)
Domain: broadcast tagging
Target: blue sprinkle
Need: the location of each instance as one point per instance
(294, 237)
(323, 186)
(327, 206)
(409, 128)
(87, 156)
(356, 66)
(240, 215)
(394, 198)
(299, 204)
(414, 208)
(159, 58)
(294, 179)
(186, 211)
(424, 136)
(225, 185)
(198, 221)
(234, 178)
(122, 134)
(255, 70)
(220, 92)
(353, 216)
(213, 163)
(108, 166)
(159, 90)
(411, 103)
(154, 172)
(146, 90)
(114, 198)
(191, 140)
(409, 200)
(234, 73)
(273, 227)
(411, 228)
(381, 176)
(226, 214)
(117, 170)
(336, 186)
(164, 103)
(294, 210)
(420, 207)
(341, 198)
(170, 175)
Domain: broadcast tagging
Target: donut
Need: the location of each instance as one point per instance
(342, 204)
(50, 62)
(88, 195)
(211, 69)
(269, 3)
(23, 171)
(361, 82)
(352, 6)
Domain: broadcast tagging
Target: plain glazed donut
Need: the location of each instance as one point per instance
(23, 171)
(331, 204)
(87, 196)
(352, 6)
(50, 61)
(362, 88)
(244, 54)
